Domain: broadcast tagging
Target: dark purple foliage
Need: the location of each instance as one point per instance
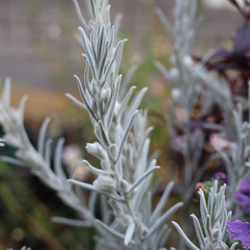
(243, 194)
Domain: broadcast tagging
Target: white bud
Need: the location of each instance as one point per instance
(105, 165)
(125, 185)
(176, 94)
(174, 75)
(72, 154)
(105, 183)
(96, 150)
(105, 95)
(128, 219)
(188, 60)
(117, 108)
(92, 148)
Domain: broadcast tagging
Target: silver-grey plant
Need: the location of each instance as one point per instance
(211, 232)
(123, 184)
(185, 89)
(237, 162)
(191, 81)
(123, 180)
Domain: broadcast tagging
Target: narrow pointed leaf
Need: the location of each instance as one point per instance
(42, 136)
(160, 206)
(72, 222)
(76, 101)
(188, 242)
(140, 179)
(162, 220)
(126, 132)
(58, 160)
(129, 233)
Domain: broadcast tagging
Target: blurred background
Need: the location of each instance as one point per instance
(40, 54)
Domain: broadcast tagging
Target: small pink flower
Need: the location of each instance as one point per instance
(218, 142)
(181, 114)
(200, 186)
(72, 154)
